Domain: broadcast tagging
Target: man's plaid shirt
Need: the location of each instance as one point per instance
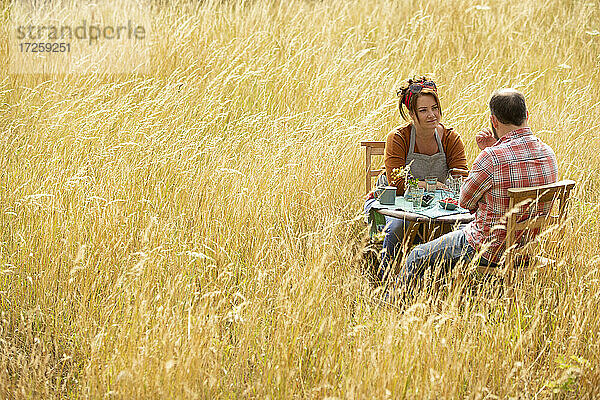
(518, 159)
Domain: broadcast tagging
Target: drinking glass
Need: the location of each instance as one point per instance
(417, 198)
(430, 183)
(458, 181)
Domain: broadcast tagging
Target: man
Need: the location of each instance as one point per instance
(511, 157)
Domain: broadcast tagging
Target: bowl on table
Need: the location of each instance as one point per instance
(448, 204)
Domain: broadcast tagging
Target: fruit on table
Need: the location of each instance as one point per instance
(449, 200)
(448, 203)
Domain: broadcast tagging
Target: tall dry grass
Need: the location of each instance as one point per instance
(193, 232)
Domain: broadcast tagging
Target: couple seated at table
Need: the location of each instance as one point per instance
(511, 157)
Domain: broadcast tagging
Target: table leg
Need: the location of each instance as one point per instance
(411, 233)
(435, 230)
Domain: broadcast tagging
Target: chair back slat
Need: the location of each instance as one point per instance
(378, 144)
(537, 222)
(542, 193)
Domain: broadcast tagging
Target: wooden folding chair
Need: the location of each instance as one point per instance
(372, 148)
(516, 257)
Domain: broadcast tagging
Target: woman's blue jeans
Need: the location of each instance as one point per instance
(394, 230)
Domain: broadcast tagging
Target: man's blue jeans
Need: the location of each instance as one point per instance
(447, 250)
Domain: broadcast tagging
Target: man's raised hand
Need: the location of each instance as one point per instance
(485, 138)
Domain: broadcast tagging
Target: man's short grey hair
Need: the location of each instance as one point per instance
(508, 105)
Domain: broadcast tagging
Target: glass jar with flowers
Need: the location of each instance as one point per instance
(411, 184)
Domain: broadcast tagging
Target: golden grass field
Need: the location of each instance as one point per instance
(196, 232)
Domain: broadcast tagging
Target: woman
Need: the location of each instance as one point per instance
(430, 148)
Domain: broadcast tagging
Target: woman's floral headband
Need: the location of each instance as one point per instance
(416, 88)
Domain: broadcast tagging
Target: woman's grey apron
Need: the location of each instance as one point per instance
(423, 165)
